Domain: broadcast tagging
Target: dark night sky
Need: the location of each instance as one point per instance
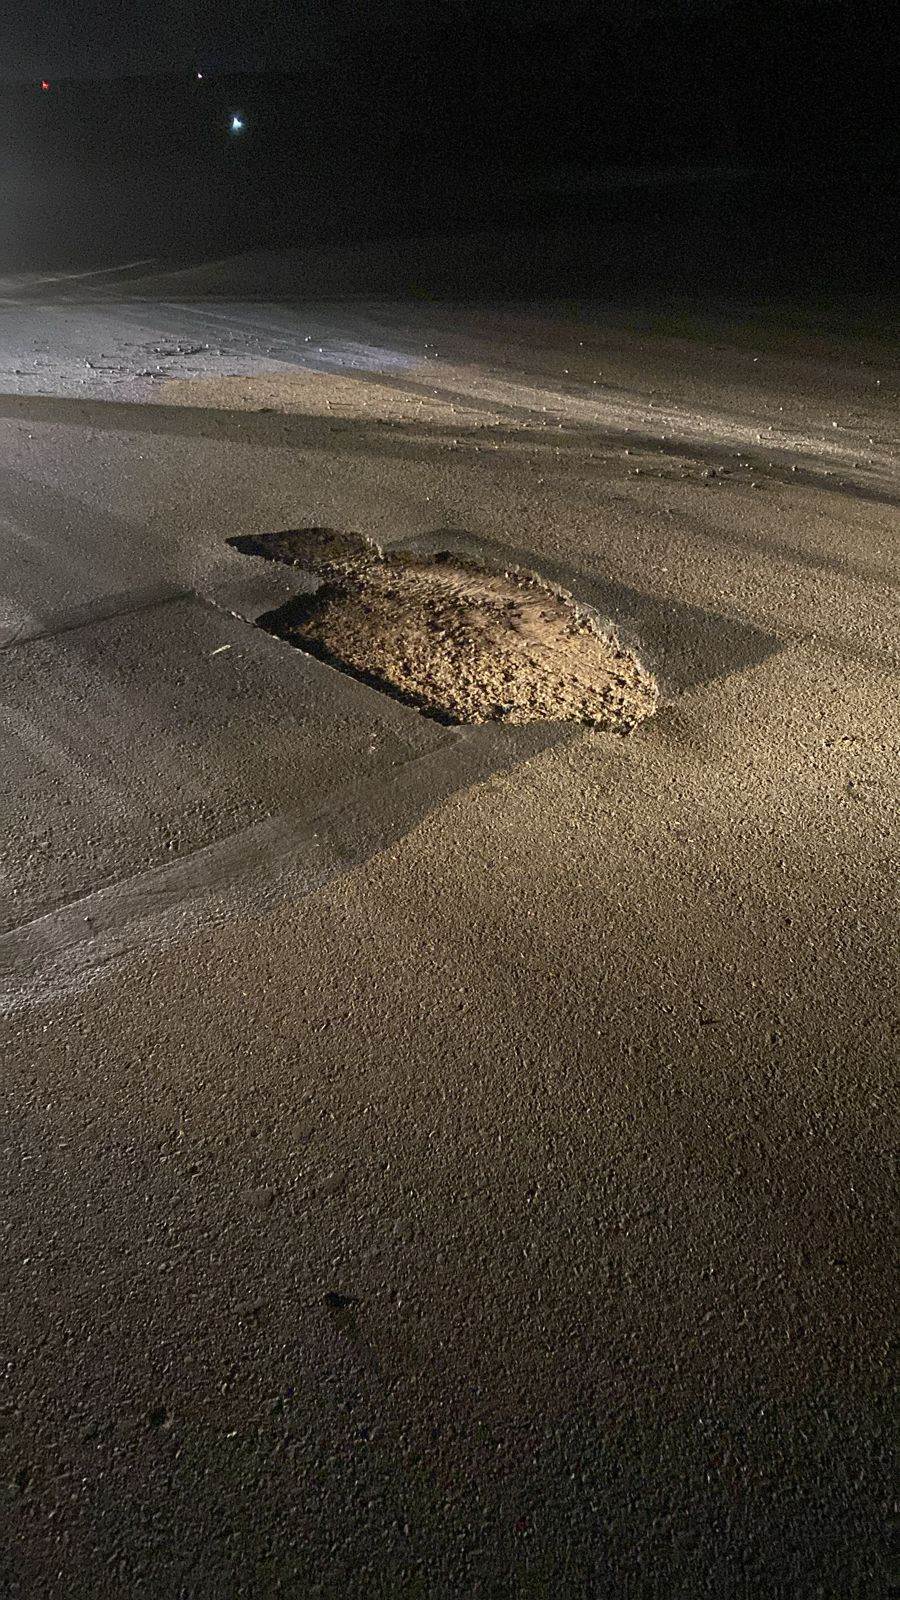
(806, 73)
(91, 38)
(94, 38)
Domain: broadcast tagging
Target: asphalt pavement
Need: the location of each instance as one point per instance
(443, 1161)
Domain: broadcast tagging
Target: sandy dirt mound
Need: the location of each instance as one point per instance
(462, 642)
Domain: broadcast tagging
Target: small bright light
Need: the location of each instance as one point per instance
(237, 124)
(200, 76)
(44, 85)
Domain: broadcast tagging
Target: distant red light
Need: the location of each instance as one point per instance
(44, 85)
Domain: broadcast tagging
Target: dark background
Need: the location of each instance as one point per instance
(454, 118)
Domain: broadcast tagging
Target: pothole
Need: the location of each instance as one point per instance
(463, 642)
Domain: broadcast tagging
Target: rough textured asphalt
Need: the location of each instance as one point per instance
(435, 1167)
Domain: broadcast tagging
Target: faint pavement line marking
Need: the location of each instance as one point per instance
(282, 858)
(29, 283)
(121, 604)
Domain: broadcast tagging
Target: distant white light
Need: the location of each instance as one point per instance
(237, 124)
(200, 76)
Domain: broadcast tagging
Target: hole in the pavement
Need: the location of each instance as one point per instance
(461, 641)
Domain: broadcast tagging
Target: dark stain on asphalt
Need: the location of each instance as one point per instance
(342, 1309)
(335, 1301)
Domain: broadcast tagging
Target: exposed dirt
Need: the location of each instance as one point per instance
(460, 641)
